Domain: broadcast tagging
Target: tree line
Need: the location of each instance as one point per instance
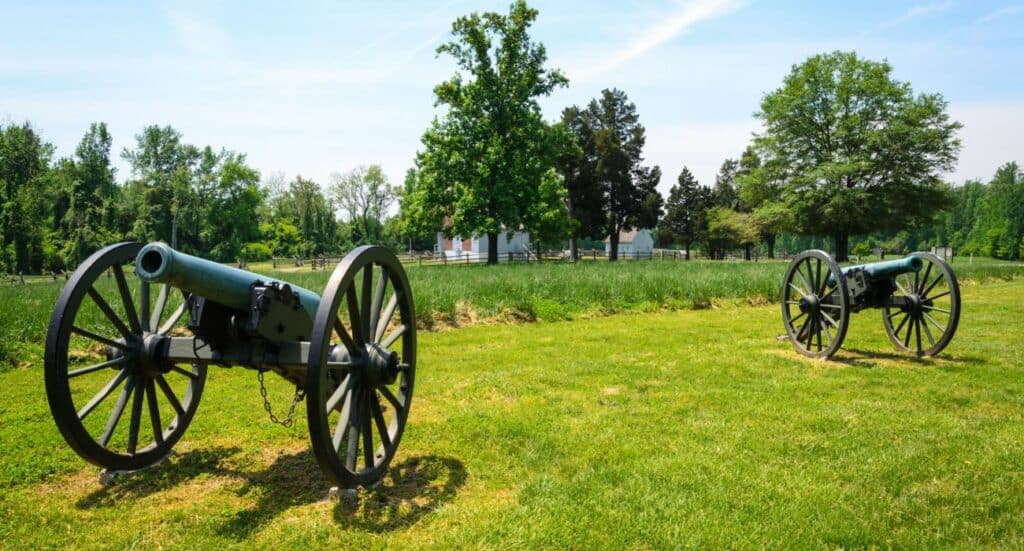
(55, 212)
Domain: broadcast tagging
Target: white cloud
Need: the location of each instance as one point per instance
(678, 22)
(918, 11)
(196, 34)
(1001, 12)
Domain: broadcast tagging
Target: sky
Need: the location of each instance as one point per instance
(314, 88)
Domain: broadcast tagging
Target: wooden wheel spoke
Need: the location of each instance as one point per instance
(366, 296)
(188, 374)
(346, 340)
(385, 318)
(175, 316)
(938, 296)
(938, 279)
(935, 323)
(924, 280)
(828, 334)
(93, 336)
(126, 297)
(161, 304)
(115, 415)
(135, 421)
(910, 331)
(808, 290)
(340, 393)
(144, 306)
(97, 367)
(382, 426)
(398, 332)
(819, 285)
(799, 290)
(927, 332)
(829, 319)
(154, 413)
(902, 323)
(917, 331)
(169, 394)
(900, 287)
(936, 309)
(378, 301)
(109, 313)
(102, 394)
(367, 429)
(354, 317)
(390, 397)
(343, 421)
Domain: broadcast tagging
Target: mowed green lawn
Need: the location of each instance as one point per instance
(655, 430)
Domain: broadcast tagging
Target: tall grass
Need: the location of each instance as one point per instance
(463, 295)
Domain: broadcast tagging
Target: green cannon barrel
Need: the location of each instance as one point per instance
(159, 263)
(887, 268)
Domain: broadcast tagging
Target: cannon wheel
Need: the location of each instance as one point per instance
(926, 325)
(97, 345)
(362, 362)
(815, 304)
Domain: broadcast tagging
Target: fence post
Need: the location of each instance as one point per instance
(444, 258)
(421, 261)
(22, 276)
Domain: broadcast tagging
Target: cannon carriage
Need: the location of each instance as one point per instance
(918, 295)
(127, 354)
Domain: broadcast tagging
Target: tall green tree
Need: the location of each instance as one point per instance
(161, 192)
(725, 194)
(576, 162)
(25, 193)
(231, 221)
(305, 206)
(686, 211)
(854, 149)
(623, 193)
(484, 161)
(364, 195)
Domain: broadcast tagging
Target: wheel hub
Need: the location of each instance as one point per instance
(809, 304)
(381, 367)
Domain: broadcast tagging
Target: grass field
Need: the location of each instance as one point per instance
(644, 429)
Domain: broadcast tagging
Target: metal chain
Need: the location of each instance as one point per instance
(290, 418)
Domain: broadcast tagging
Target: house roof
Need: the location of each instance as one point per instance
(626, 236)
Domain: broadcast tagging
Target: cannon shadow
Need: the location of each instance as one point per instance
(409, 491)
(858, 357)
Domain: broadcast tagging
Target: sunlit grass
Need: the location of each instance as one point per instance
(652, 430)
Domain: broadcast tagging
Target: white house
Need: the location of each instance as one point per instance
(475, 247)
(632, 241)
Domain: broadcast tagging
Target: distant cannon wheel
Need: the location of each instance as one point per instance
(925, 321)
(362, 362)
(115, 404)
(815, 309)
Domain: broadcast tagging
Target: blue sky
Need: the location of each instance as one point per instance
(320, 87)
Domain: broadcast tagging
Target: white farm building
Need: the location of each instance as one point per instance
(632, 242)
(475, 247)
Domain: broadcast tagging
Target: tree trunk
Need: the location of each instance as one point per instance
(687, 244)
(746, 251)
(574, 248)
(492, 248)
(842, 241)
(613, 250)
(769, 239)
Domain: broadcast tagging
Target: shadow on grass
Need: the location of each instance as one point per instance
(410, 489)
(869, 358)
(158, 478)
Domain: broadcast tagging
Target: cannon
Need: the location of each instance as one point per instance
(127, 354)
(918, 295)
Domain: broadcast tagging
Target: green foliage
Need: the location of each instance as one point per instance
(364, 195)
(484, 161)
(853, 150)
(255, 252)
(611, 191)
(685, 220)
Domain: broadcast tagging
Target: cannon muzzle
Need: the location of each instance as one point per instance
(159, 263)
